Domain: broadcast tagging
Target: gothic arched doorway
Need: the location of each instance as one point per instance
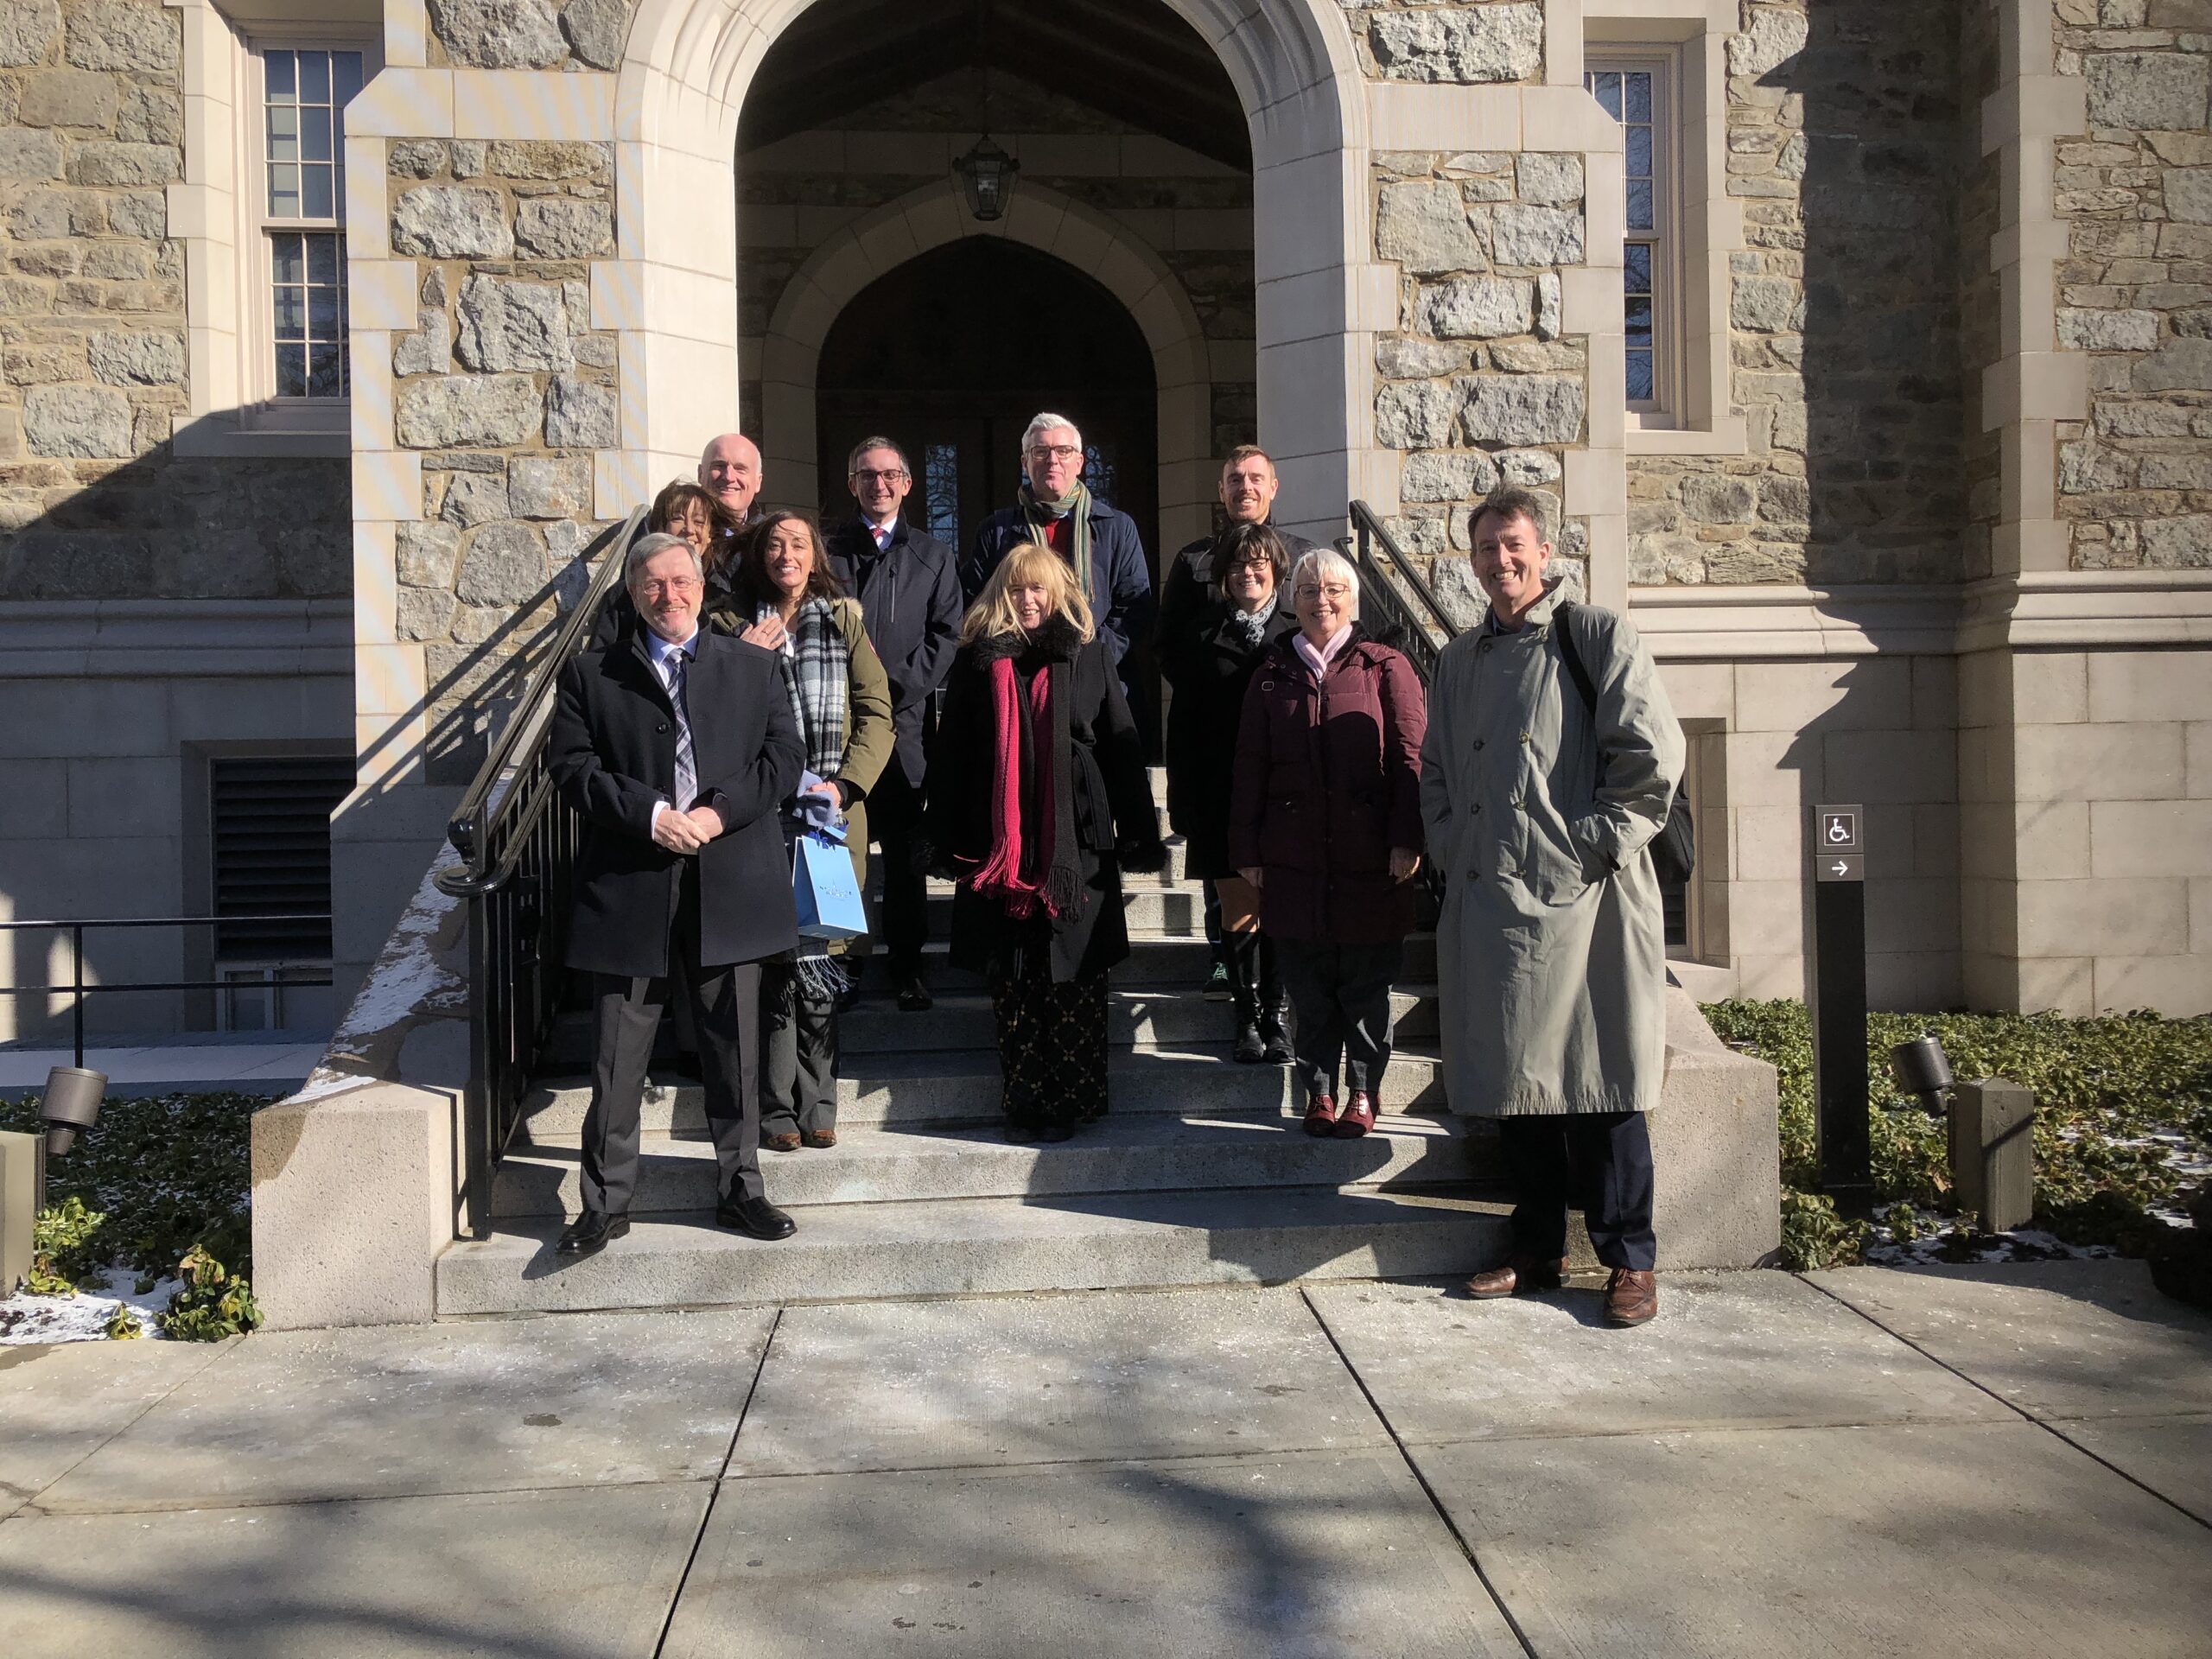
(951, 353)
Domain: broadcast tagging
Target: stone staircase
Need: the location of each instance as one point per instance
(1201, 1174)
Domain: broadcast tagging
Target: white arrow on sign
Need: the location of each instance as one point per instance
(1841, 868)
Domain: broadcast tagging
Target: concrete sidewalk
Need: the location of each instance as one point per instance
(1992, 1461)
(272, 1064)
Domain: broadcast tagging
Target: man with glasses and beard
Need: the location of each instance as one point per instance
(908, 584)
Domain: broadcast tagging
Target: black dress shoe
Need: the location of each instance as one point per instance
(913, 995)
(589, 1233)
(756, 1217)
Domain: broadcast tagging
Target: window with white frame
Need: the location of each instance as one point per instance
(1637, 90)
(296, 194)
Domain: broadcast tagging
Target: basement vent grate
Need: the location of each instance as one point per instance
(271, 839)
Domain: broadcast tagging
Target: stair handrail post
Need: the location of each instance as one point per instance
(491, 828)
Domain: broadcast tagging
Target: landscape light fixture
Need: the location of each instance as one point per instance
(72, 1102)
(1923, 1070)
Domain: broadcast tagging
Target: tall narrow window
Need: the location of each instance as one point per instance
(304, 90)
(941, 492)
(1635, 92)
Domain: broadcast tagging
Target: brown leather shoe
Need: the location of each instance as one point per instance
(1359, 1116)
(1520, 1274)
(818, 1138)
(1320, 1115)
(787, 1142)
(1631, 1297)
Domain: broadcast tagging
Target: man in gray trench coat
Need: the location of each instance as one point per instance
(1551, 948)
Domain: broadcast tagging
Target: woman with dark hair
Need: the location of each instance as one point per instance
(1037, 801)
(1208, 654)
(1325, 820)
(683, 509)
(786, 599)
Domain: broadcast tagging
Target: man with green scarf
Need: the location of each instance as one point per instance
(1102, 545)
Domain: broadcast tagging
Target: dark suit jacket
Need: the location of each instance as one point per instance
(612, 751)
(1121, 577)
(910, 601)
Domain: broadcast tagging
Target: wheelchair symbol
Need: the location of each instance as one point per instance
(1839, 830)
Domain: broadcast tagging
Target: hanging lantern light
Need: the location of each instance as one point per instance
(986, 178)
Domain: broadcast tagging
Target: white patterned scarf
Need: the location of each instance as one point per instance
(817, 674)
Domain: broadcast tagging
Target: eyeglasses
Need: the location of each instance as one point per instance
(1054, 452)
(674, 587)
(1336, 590)
(890, 475)
(1257, 562)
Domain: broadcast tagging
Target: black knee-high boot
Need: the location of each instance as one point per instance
(1243, 953)
(1274, 1008)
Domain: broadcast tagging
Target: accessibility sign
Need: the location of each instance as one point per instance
(1838, 852)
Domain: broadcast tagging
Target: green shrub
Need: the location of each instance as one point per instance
(62, 1248)
(157, 1181)
(1813, 1235)
(2100, 1085)
(211, 1305)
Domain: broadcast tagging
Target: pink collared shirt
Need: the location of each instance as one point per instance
(1319, 661)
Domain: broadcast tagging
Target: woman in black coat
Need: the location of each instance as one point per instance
(1037, 801)
(1208, 653)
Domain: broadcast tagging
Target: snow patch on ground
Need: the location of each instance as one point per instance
(84, 1317)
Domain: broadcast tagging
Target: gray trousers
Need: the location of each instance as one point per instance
(798, 1055)
(725, 1003)
(1341, 994)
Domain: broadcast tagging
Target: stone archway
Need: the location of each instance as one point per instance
(683, 83)
(930, 218)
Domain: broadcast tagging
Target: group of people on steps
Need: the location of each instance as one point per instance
(975, 718)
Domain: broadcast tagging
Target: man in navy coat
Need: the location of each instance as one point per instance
(908, 584)
(677, 746)
(1057, 510)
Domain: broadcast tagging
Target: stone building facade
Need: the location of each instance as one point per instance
(1862, 349)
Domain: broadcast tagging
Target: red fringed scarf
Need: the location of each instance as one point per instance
(1000, 876)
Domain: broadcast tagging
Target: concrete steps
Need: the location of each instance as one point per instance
(950, 1247)
(962, 1086)
(1140, 1153)
(1201, 1172)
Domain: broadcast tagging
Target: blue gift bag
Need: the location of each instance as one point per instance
(824, 891)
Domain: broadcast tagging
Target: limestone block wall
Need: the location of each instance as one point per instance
(2087, 776)
(2134, 196)
(1774, 738)
(504, 390)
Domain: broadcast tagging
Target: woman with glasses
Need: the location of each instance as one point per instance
(786, 599)
(1325, 820)
(1037, 801)
(1208, 653)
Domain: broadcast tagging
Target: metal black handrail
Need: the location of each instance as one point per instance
(518, 844)
(1398, 590)
(78, 990)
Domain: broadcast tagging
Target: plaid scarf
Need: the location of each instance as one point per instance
(1038, 513)
(817, 675)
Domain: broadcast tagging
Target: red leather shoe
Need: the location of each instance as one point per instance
(1320, 1115)
(1358, 1118)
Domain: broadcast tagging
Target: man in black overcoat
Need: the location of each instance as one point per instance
(676, 744)
(908, 584)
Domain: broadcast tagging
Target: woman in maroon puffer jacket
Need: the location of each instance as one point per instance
(1325, 819)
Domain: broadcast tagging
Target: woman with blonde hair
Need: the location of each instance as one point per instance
(1037, 801)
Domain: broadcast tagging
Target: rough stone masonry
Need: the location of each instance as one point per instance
(93, 499)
